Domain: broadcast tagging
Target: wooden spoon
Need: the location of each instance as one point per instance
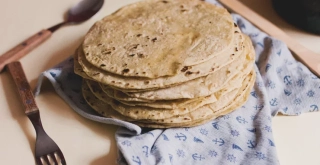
(84, 10)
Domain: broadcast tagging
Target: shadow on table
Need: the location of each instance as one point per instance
(17, 110)
(58, 55)
(63, 52)
(109, 159)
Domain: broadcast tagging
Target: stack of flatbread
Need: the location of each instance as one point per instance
(166, 63)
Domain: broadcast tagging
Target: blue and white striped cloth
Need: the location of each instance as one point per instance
(283, 85)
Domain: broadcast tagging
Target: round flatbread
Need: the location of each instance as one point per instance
(132, 84)
(156, 38)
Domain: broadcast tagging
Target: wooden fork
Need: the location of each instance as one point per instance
(45, 146)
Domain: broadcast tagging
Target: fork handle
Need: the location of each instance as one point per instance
(24, 89)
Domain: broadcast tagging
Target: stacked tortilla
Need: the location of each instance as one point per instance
(166, 63)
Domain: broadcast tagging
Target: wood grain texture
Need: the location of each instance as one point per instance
(306, 56)
(24, 89)
(24, 48)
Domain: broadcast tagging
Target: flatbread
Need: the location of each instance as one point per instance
(207, 114)
(141, 112)
(202, 86)
(163, 104)
(200, 116)
(77, 67)
(101, 107)
(111, 93)
(226, 99)
(131, 84)
(172, 33)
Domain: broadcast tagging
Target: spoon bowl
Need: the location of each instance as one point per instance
(81, 12)
(84, 10)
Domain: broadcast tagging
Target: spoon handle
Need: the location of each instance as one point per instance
(24, 48)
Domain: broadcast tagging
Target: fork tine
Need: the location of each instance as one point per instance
(38, 161)
(63, 161)
(46, 159)
(53, 157)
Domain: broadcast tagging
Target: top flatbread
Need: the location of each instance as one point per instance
(133, 84)
(156, 38)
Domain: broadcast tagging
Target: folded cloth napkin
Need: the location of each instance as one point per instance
(283, 85)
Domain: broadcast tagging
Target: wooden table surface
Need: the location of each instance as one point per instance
(89, 143)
